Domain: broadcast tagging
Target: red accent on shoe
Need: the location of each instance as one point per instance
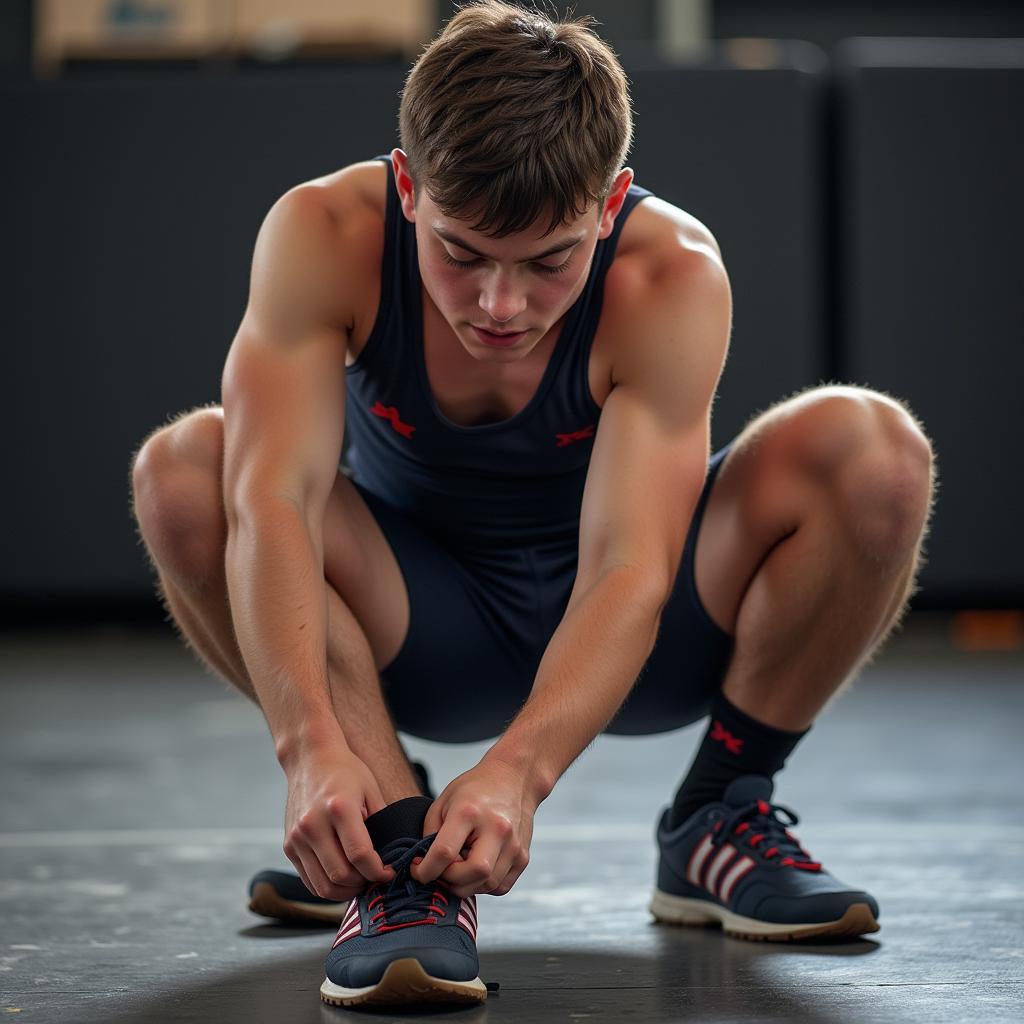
(804, 865)
(406, 924)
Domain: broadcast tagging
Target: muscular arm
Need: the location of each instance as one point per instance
(284, 406)
(645, 478)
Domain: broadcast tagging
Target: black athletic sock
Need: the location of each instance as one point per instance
(734, 745)
(400, 820)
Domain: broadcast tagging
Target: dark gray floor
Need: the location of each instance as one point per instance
(139, 795)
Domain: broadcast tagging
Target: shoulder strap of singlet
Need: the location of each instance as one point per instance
(590, 302)
(387, 328)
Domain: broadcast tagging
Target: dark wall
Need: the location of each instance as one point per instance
(130, 216)
(931, 217)
(15, 39)
(887, 258)
(743, 152)
(822, 23)
(132, 211)
(826, 24)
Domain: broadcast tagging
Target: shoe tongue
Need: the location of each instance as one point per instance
(747, 789)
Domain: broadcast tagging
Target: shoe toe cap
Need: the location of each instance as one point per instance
(812, 909)
(365, 969)
(289, 887)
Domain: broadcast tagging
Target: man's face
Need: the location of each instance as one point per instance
(520, 285)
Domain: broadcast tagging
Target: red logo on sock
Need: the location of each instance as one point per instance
(732, 743)
(390, 412)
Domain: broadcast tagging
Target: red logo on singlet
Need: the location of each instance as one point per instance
(576, 435)
(389, 412)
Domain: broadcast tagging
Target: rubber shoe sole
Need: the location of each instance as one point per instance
(404, 982)
(669, 909)
(268, 902)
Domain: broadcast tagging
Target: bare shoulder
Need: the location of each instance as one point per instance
(658, 240)
(655, 224)
(359, 185)
(666, 260)
(352, 200)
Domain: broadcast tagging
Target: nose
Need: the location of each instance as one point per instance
(501, 302)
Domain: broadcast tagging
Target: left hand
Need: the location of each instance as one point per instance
(484, 824)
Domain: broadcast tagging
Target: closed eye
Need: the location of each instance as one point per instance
(561, 268)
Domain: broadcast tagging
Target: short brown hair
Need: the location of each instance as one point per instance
(508, 114)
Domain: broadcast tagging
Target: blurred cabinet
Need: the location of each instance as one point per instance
(742, 150)
(930, 222)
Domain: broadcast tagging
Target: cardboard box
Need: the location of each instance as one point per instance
(136, 29)
(274, 29)
(268, 29)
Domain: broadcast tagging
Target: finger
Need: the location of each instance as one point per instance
(433, 819)
(504, 886)
(317, 844)
(510, 879)
(325, 864)
(343, 878)
(482, 863)
(506, 862)
(300, 869)
(312, 872)
(443, 850)
(358, 847)
(374, 799)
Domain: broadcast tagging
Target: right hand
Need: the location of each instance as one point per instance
(330, 794)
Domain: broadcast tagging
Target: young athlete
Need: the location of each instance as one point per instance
(531, 541)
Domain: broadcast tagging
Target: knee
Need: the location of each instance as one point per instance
(176, 490)
(878, 464)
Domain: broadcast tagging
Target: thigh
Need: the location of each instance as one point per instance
(358, 560)
(469, 655)
(691, 654)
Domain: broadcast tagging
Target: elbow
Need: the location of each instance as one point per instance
(258, 512)
(646, 586)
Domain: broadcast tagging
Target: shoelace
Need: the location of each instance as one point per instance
(767, 826)
(403, 901)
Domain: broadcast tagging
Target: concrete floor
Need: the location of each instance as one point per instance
(139, 795)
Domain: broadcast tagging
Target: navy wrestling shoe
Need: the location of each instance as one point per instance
(405, 942)
(283, 895)
(735, 864)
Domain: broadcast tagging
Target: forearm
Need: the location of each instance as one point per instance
(587, 671)
(278, 606)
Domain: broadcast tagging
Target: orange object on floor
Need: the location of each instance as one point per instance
(988, 630)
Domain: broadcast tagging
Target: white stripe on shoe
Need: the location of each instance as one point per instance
(697, 858)
(725, 855)
(735, 873)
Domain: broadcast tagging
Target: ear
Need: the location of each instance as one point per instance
(403, 182)
(616, 197)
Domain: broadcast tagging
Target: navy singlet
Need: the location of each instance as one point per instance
(518, 480)
(483, 522)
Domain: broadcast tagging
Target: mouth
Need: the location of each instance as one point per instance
(499, 334)
(489, 337)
